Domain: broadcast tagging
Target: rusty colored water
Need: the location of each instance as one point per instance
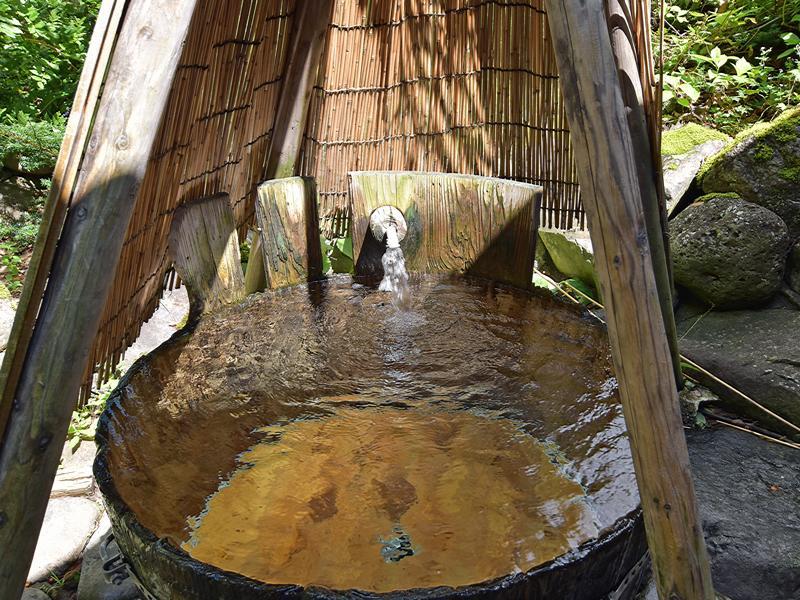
(337, 378)
(391, 499)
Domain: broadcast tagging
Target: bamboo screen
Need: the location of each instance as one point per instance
(452, 85)
(439, 85)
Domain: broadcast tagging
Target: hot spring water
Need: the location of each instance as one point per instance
(319, 436)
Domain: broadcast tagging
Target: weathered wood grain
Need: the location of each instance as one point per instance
(125, 124)
(64, 176)
(621, 31)
(456, 223)
(204, 248)
(606, 160)
(286, 210)
(311, 22)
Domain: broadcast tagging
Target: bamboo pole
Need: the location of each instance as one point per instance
(139, 80)
(606, 164)
(312, 19)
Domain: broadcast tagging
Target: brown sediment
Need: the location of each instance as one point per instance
(335, 514)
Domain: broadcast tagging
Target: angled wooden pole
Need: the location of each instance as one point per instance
(623, 44)
(312, 18)
(64, 176)
(606, 161)
(136, 90)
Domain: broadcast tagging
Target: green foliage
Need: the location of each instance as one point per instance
(43, 46)
(84, 420)
(730, 66)
(17, 237)
(32, 145)
(337, 255)
(681, 140)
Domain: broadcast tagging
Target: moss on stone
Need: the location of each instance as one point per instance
(763, 152)
(782, 130)
(723, 195)
(790, 174)
(681, 140)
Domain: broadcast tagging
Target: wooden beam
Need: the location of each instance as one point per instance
(623, 44)
(287, 219)
(76, 135)
(126, 122)
(204, 247)
(312, 18)
(606, 161)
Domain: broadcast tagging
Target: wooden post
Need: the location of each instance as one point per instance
(287, 219)
(137, 86)
(606, 163)
(312, 18)
(621, 32)
(64, 176)
(205, 250)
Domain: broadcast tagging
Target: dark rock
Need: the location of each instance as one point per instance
(33, 593)
(762, 165)
(793, 268)
(757, 352)
(728, 252)
(749, 495)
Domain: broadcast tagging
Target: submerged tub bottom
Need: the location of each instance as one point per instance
(392, 499)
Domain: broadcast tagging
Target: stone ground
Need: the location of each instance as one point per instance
(75, 521)
(749, 495)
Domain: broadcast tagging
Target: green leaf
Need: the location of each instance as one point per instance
(689, 90)
(790, 38)
(742, 66)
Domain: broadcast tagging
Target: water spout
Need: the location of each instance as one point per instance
(388, 222)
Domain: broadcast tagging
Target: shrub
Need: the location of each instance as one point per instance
(730, 64)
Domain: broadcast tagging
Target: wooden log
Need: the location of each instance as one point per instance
(606, 161)
(286, 210)
(456, 223)
(64, 176)
(311, 23)
(204, 248)
(127, 119)
(620, 22)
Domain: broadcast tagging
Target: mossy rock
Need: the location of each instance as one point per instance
(728, 252)
(762, 165)
(571, 254)
(683, 140)
(793, 268)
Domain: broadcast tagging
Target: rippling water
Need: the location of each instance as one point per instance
(320, 436)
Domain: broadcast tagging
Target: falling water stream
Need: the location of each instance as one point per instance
(395, 276)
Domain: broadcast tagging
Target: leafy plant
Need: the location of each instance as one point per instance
(337, 254)
(43, 46)
(84, 420)
(31, 146)
(730, 64)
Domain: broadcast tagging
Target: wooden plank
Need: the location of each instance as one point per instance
(456, 223)
(289, 229)
(311, 23)
(204, 248)
(621, 31)
(64, 176)
(139, 80)
(606, 161)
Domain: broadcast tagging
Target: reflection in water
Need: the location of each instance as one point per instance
(390, 499)
(357, 440)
